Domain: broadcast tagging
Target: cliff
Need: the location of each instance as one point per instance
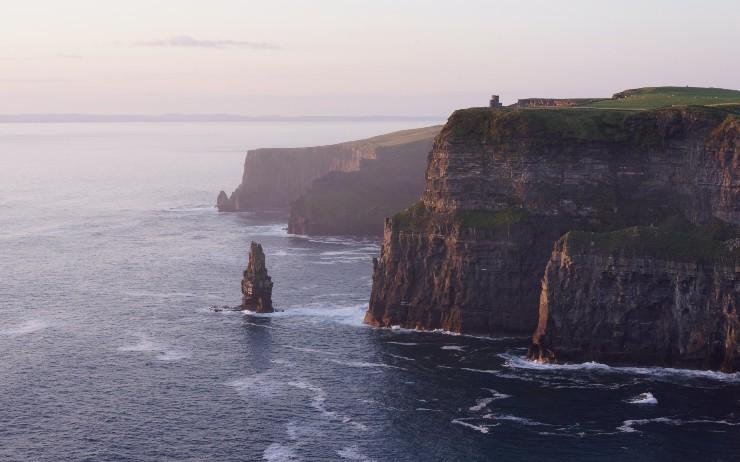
(275, 177)
(502, 185)
(356, 203)
(642, 296)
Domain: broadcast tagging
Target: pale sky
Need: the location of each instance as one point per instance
(347, 57)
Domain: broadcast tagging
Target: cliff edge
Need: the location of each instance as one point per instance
(274, 177)
(503, 185)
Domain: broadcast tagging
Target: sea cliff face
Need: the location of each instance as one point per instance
(275, 177)
(641, 296)
(356, 203)
(503, 185)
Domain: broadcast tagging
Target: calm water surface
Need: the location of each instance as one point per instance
(111, 255)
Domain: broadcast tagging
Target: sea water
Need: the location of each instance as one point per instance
(111, 255)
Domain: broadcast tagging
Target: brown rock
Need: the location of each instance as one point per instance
(503, 185)
(257, 284)
(640, 296)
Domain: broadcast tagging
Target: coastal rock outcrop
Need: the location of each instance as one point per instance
(257, 284)
(502, 185)
(642, 296)
(356, 203)
(275, 177)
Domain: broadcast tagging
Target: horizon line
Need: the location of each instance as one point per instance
(72, 117)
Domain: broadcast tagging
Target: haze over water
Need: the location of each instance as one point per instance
(111, 254)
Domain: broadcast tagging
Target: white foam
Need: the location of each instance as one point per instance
(261, 385)
(496, 394)
(403, 343)
(479, 428)
(164, 352)
(352, 315)
(364, 364)
(628, 426)
(353, 453)
(514, 419)
(482, 371)
(453, 347)
(653, 372)
(643, 398)
(311, 350)
(27, 327)
(401, 357)
(318, 402)
(482, 403)
(280, 453)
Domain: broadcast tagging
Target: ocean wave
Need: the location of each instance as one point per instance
(353, 453)
(163, 352)
(351, 315)
(484, 428)
(643, 398)
(628, 426)
(482, 371)
(318, 402)
(482, 403)
(26, 327)
(364, 364)
(277, 452)
(515, 419)
(453, 347)
(260, 385)
(517, 362)
(311, 350)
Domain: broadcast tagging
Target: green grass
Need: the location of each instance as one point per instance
(657, 97)
(490, 220)
(418, 218)
(681, 243)
(520, 129)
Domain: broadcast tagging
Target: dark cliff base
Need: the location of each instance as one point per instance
(645, 296)
(502, 186)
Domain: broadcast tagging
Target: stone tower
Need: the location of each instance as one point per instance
(257, 284)
(495, 102)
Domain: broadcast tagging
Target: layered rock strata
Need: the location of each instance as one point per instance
(503, 185)
(641, 296)
(257, 284)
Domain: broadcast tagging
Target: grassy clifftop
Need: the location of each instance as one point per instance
(658, 97)
(716, 242)
(505, 126)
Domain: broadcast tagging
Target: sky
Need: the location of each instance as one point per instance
(351, 57)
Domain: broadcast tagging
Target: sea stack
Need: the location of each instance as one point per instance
(257, 284)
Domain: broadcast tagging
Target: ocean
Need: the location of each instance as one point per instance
(112, 255)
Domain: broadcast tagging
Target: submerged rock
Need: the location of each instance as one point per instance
(257, 284)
